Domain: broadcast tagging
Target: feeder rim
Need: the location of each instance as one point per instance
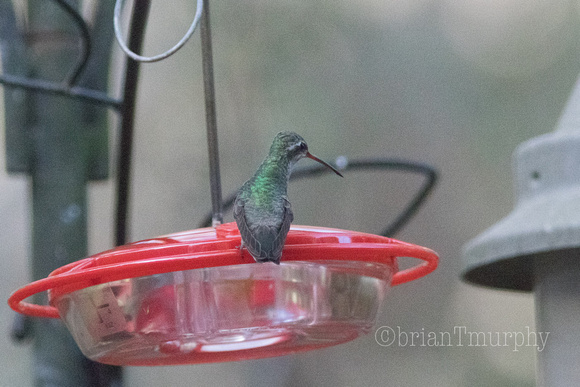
(89, 272)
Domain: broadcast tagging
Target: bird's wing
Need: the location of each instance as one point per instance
(242, 222)
(249, 239)
(280, 236)
(264, 241)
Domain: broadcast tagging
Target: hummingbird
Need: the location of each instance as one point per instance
(262, 210)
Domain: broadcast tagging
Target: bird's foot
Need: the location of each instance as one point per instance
(241, 248)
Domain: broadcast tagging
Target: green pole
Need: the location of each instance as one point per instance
(62, 144)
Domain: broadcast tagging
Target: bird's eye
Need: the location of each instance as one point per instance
(302, 145)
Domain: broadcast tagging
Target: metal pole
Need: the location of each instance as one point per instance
(210, 116)
(138, 22)
(557, 297)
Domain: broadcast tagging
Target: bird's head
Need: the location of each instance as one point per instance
(293, 147)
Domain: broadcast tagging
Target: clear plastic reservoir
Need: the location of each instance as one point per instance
(225, 313)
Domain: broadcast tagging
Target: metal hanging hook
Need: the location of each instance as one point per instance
(166, 54)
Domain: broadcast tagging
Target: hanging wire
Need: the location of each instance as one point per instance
(344, 164)
(166, 54)
(124, 164)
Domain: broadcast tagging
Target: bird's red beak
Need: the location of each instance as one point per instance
(311, 156)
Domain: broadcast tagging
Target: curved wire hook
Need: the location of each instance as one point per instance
(166, 54)
(344, 164)
(68, 87)
(86, 45)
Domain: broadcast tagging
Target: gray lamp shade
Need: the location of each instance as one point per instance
(546, 219)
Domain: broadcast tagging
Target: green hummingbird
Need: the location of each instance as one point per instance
(262, 209)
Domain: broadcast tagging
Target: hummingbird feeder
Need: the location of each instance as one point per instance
(197, 297)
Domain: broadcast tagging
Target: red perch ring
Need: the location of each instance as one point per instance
(193, 297)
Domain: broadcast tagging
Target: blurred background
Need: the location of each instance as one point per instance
(457, 84)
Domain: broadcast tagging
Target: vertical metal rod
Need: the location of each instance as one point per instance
(138, 21)
(210, 117)
(557, 297)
